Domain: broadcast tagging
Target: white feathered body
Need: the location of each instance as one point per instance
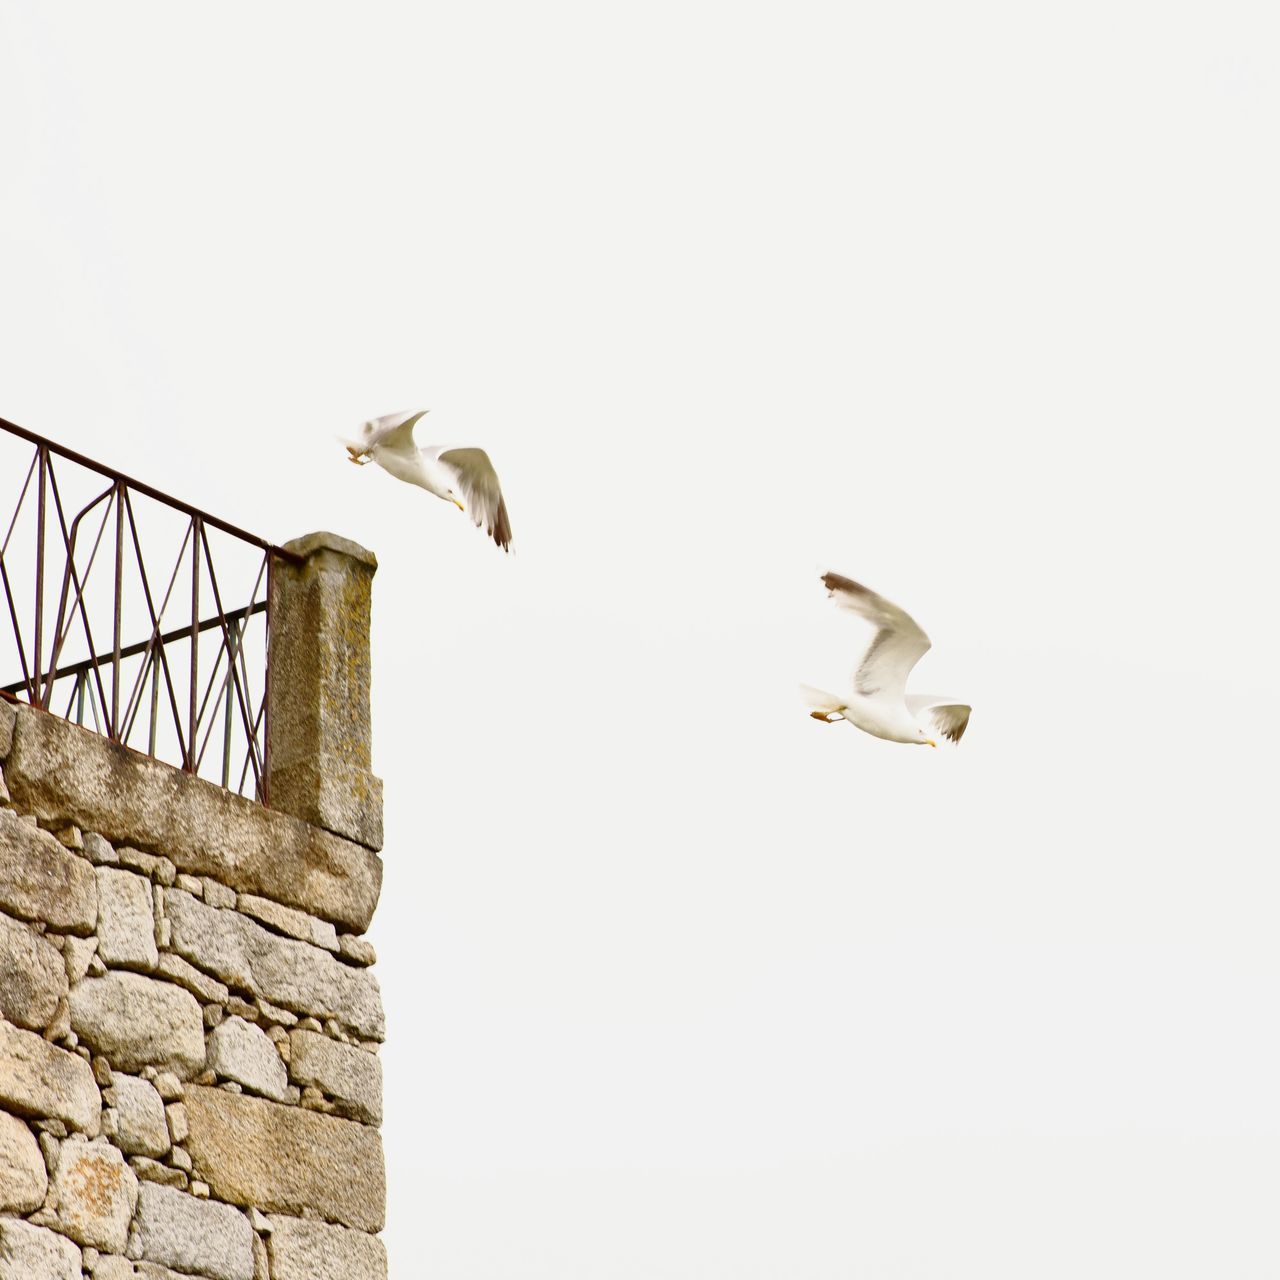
(875, 716)
(414, 467)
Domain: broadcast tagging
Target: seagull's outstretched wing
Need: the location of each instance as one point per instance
(949, 718)
(394, 431)
(477, 481)
(896, 647)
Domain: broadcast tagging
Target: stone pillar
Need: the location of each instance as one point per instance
(319, 656)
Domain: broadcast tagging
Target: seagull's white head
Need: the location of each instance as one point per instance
(457, 502)
(923, 738)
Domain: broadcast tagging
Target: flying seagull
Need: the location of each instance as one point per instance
(879, 702)
(450, 473)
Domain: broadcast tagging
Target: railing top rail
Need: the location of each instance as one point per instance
(137, 485)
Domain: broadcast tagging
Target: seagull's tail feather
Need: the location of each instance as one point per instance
(818, 700)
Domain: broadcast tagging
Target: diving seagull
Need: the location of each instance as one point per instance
(878, 703)
(453, 474)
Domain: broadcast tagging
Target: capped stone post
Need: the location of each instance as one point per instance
(319, 668)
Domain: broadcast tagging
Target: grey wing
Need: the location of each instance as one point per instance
(948, 717)
(478, 482)
(897, 646)
(394, 431)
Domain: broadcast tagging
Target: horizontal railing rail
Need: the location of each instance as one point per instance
(142, 646)
(193, 687)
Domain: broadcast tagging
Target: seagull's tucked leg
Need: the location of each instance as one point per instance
(822, 705)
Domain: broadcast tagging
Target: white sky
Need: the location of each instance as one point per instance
(976, 303)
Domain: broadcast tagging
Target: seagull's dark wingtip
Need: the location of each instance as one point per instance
(838, 582)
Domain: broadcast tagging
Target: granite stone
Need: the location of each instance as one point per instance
(200, 1237)
(352, 1077)
(140, 1120)
(138, 1021)
(29, 1252)
(96, 1194)
(23, 1177)
(284, 1159)
(126, 926)
(40, 880)
(239, 1051)
(33, 975)
(304, 1250)
(38, 1079)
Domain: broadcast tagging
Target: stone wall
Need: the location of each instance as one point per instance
(189, 1021)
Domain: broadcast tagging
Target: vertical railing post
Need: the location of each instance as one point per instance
(264, 782)
(196, 530)
(154, 663)
(118, 499)
(233, 637)
(319, 673)
(42, 454)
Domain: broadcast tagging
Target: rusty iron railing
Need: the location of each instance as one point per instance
(191, 690)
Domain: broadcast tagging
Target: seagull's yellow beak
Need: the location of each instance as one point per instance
(459, 505)
(931, 742)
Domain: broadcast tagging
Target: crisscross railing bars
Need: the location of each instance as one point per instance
(192, 690)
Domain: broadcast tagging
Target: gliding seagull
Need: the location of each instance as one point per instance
(440, 469)
(879, 703)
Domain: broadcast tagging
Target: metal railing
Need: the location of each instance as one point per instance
(80, 581)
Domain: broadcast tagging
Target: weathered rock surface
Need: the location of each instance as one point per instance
(208, 989)
(113, 1267)
(316, 1251)
(201, 1237)
(285, 1159)
(141, 1128)
(96, 1194)
(154, 1271)
(320, 729)
(37, 1079)
(33, 976)
(294, 974)
(64, 773)
(77, 955)
(237, 1050)
(176, 1116)
(126, 927)
(40, 880)
(149, 1170)
(350, 1076)
(357, 950)
(154, 866)
(296, 924)
(98, 849)
(219, 895)
(23, 1179)
(137, 1022)
(35, 1253)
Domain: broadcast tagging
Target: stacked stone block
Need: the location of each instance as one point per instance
(189, 1022)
